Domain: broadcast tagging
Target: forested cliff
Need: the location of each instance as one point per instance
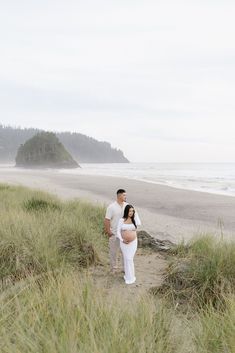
(83, 148)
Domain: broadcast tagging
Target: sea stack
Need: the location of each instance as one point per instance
(44, 150)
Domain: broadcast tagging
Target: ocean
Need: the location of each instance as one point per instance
(215, 178)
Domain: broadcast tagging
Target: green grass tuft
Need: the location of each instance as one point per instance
(47, 234)
(35, 204)
(202, 274)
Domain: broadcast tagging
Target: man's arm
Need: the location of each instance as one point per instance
(107, 227)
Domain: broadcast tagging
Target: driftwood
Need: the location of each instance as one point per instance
(146, 240)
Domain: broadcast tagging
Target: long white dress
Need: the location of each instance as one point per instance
(128, 250)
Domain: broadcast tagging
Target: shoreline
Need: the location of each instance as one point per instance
(167, 213)
(87, 172)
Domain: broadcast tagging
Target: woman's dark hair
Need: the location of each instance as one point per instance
(126, 212)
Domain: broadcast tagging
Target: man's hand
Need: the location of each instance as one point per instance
(107, 227)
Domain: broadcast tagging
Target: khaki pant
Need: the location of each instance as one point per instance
(114, 252)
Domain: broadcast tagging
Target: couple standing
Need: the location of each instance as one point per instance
(121, 222)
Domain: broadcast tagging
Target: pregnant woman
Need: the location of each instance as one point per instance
(126, 232)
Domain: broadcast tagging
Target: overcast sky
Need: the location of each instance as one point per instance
(154, 78)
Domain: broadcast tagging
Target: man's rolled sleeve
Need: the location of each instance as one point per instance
(108, 214)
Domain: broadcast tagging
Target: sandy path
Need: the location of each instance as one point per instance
(149, 268)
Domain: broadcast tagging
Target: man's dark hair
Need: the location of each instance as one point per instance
(121, 191)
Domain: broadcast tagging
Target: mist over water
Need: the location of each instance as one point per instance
(216, 178)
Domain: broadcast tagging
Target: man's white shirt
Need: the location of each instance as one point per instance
(114, 212)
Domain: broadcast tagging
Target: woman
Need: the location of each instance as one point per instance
(126, 232)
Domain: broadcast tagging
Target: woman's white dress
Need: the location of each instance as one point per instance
(128, 250)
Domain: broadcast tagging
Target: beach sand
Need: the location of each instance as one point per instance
(166, 213)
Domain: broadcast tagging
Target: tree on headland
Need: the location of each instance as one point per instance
(83, 148)
(44, 150)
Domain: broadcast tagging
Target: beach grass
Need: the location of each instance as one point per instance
(66, 313)
(49, 301)
(213, 330)
(202, 273)
(39, 233)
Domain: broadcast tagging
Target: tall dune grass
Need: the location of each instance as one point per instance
(213, 330)
(69, 314)
(39, 233)
(50, 304)
(202, 274)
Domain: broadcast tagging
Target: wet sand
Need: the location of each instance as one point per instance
(166, 213)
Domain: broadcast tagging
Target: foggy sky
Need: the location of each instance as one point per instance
(154, 78)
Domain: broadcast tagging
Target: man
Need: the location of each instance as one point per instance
(113, 213)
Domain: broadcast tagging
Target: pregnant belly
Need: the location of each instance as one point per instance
(129, 235)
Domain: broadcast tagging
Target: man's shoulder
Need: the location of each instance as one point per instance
(111, 208)
(113, 204)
